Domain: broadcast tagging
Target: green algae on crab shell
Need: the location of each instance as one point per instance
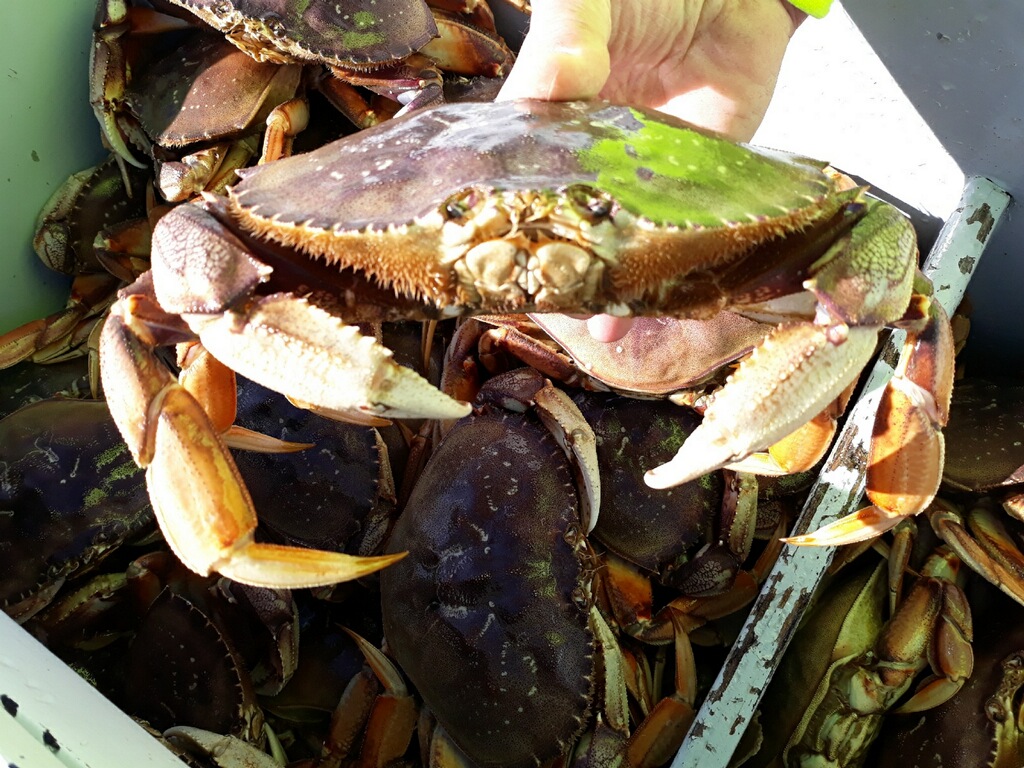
(402, 173)
(349, 33)
(70, 493)
(672, 174)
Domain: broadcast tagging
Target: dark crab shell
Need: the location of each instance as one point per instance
(654, 529)
(352, 33)
(486, 614)
(69, 495)
(985, 435)
(677, 199)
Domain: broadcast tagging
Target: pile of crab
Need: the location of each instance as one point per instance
(558, 520)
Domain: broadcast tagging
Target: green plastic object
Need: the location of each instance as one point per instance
(47, 133)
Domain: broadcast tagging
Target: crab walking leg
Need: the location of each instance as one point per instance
(284, 123)
(213, 385)
(980, 539)
(907, 447)
(790, 378)
(661, 733)
(47, 339)
(389, 721)
(198, 496)
(937, 604)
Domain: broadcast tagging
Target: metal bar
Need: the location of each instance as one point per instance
(733, 698)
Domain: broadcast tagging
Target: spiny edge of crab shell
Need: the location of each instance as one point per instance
(360, 199)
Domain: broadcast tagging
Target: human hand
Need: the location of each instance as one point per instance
(713, 63)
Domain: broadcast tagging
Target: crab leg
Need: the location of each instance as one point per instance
(907, 447)
(937, 604)
(213, 385)
(659, 736)
(987, 546)
(385, 723)
(53, 338)
(198, 496)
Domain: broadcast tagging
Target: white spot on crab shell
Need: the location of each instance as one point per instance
(486, 625)
(455, 612)
(480, 532)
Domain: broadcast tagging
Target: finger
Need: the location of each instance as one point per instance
(565, 53)
(727, 78)
(607, 328)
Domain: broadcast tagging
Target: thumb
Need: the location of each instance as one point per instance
(565, 53)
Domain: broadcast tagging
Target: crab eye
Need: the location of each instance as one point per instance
(457, 206)
(274, 25)
(589, 202)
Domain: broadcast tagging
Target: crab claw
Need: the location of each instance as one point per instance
(272, 338)
(200, 501)
(789, 379)
(281, 334)
(907, 447)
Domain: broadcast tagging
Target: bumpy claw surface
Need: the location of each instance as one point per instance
(342, 370)
(200, 501)
(782, 385)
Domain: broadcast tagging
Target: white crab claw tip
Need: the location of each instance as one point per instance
(668, 476)
(410, 396)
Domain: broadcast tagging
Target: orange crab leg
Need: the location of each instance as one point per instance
(941, 607)
(386, 724)
(987, 546)
(200, 501)
(284, 123)
(212, 384)
(907, 448)
(660, 735)
(49, 338)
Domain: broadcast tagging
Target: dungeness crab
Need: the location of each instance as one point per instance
(518, 207)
